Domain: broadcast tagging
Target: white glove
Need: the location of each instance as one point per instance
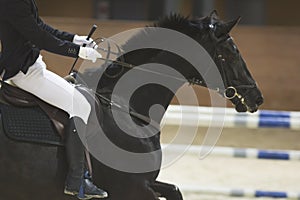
(89, 54)
(81, 40)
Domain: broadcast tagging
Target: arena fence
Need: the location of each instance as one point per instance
(234, 152)
(228, 117)
(240, 192)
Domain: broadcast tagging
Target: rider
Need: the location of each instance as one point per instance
(23, 34)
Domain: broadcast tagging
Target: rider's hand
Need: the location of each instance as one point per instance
(89, 54)
(81, 40)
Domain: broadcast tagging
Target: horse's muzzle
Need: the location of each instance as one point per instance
(250, 101)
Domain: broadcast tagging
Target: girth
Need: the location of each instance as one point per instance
(18, 97)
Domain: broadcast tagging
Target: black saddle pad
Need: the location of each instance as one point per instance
(29, 125)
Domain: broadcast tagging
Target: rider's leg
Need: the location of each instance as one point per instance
(76, 159)
(56, 91)
(53, 89)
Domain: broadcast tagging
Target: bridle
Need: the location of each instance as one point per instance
(230, 92)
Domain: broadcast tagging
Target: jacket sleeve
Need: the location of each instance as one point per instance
(22, 20)
(63, 35)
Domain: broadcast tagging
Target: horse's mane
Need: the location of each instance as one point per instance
(183, 24)
(172, 20)
(194, 28)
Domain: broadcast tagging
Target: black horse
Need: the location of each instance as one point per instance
(37, 171)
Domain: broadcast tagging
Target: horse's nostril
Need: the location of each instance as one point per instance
(259, 101)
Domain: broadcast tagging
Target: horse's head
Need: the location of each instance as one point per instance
(240, 88)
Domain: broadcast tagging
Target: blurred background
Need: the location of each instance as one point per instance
(254, 12)
(268, 34)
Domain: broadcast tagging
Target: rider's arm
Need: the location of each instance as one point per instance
(20, 17)
(63, 35)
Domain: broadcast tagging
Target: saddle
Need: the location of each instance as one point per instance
(25, 117)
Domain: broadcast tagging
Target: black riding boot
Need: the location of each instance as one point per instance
(76, 183)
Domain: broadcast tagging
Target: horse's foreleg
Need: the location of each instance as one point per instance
(168, 191)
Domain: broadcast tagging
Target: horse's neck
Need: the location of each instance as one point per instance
(152, 99)
(154, 89)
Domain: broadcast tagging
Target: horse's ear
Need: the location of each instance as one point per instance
(214, 15)
(226, 27)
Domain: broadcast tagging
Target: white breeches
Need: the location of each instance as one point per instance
(53, 89)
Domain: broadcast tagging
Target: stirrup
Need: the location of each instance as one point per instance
(94, 192)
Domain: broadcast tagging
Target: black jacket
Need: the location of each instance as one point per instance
(23, 34)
